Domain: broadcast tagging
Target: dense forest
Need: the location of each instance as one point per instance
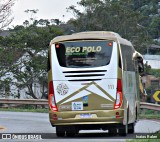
(135, 20)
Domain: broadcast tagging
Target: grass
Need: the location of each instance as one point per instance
(144, 140)
(25, 108)
(150, 114)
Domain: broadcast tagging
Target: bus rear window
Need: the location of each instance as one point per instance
(84, 54)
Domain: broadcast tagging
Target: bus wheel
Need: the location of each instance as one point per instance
(112, 131)
(60, 131)
(123, 130)
(71, 132)
(131, 128)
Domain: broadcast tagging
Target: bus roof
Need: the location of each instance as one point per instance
(92, 35)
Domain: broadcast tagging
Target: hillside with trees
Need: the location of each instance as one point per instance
(135, 20)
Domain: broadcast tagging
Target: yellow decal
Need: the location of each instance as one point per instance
(155, 96)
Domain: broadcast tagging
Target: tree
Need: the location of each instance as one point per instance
(24, 55)
(8, 57)
(32, 42)
(32, 18)
(150, 11)
(56, 21)
(155, 27)
(5, 13)
(121, 16)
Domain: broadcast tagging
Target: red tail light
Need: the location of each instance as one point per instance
(118, 101)
(119, 85)
(51, 98)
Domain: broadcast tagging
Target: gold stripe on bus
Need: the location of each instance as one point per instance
(85, 88)
(97, 94)
(73, 94)
(100, 88)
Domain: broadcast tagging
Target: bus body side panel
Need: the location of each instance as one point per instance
(85, 102)
(130, 84)
(130, 91)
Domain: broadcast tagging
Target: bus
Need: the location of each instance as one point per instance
(93, 83)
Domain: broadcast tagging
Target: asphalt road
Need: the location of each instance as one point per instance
(38, 123)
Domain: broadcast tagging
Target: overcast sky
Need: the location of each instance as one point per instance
(48, 9)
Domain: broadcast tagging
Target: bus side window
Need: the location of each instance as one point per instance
(120, 62)
(127, 53)
(48, 63)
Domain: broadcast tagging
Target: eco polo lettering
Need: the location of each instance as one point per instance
(92, 49)
(84, 49)
(72, 49)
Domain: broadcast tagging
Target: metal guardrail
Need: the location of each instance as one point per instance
(143, 105)
(24, 101)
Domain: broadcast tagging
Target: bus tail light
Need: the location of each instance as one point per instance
(119, 95)
(51, 97)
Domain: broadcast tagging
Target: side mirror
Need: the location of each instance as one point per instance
(140, 65)
(139, 61)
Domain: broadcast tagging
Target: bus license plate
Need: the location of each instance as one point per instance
(86, 115)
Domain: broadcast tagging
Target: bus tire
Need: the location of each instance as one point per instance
(60, 131)
(70, 134)
(131, 128)
(112, 131)
(71, 131)
(123, 130)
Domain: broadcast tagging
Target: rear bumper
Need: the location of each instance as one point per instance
(97, 117)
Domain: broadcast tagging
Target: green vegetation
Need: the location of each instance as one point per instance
(155, 72)
(143, 140)
(149, 114)
(26, 108)
(135, 20)
(30, 41)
